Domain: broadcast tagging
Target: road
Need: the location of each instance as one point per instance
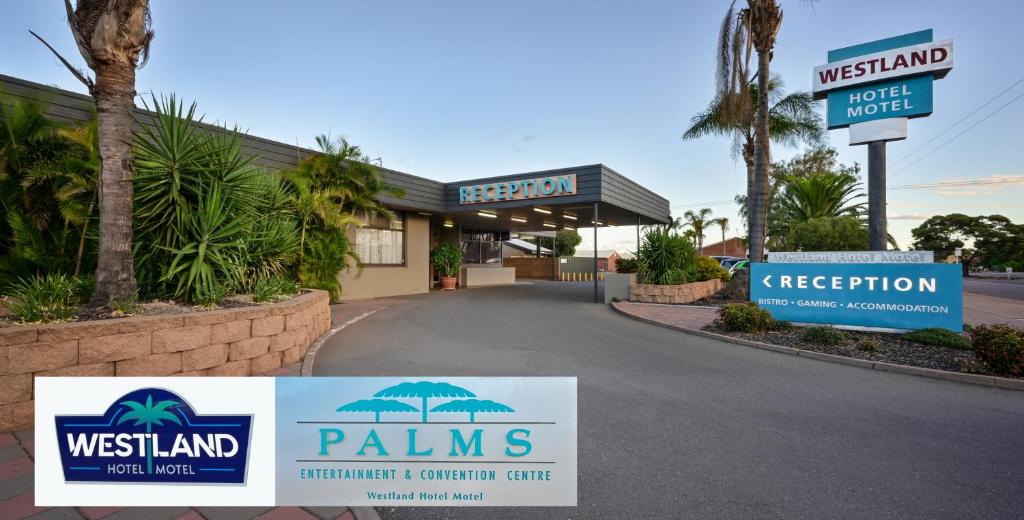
(677, 426)
(1012, 289)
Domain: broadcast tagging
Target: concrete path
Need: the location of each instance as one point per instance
(678, 426)
(982, 309)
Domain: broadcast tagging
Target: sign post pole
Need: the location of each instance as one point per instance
(877, 225)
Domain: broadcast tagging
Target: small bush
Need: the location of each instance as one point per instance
(745, 317)
(625, 265)
(84, 287)
(999, 348)
(125, 306)
(779, 325)
(43, 298)
(707, 268)
(212, 295)
(939, 338)
(826, 335)
(273, 289)
(869, 344)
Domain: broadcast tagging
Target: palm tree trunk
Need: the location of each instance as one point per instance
(424, 409)
(758, 199)
(115, 273)
(376, 416)
(472, 417)
(81, 239)
(748, 160)
(723, 240)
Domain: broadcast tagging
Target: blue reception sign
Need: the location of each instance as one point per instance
(897, 296)
(882, 79)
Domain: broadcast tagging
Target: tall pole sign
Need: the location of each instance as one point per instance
(873, 89)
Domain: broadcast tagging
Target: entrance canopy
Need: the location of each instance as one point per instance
(549, 200)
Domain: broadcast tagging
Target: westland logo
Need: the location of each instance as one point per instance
(153, 435)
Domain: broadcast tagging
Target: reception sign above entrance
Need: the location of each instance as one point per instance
(519, 189)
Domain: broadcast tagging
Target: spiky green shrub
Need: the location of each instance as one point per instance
(939, 338)
(51, 297)
(665, 258)
(824, 335)
(207, 221)
(745, 317)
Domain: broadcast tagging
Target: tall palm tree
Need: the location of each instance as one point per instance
(723, 223)
(751, 29)
(113, 37)
(792, 118)
(698, 221)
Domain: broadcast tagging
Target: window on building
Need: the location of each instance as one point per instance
(481, 247)
(381, 241)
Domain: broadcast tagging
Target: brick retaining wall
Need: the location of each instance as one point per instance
(228, 342)
(686, 293)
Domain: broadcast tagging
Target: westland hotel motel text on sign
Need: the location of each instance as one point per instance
(882, 79)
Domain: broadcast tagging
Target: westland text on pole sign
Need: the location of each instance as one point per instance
(895, 296)
(882, 79)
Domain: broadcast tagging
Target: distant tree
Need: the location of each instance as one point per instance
(723, 223)
(842, 233)
(994, 238)
(566, 241)
(698, 222)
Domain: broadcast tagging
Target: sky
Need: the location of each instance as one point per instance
(454, 90)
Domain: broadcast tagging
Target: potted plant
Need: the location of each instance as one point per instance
(447, 259)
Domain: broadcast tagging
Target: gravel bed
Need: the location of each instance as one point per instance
(890, 348)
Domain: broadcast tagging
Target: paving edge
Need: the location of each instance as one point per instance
(959, 377)
(307, 360)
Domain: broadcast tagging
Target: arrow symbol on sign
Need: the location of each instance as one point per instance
(765, 281)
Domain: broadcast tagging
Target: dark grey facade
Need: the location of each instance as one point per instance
(620, 201)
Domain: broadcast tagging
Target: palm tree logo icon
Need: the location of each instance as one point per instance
(472, 407)
(377, 406)
(425, 390)
(149, 414)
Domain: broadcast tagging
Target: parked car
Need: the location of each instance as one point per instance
(739, 266)
(727, 261)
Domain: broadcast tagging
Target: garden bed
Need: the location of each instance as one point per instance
(241, 341)
(888, 348)
(674, 294)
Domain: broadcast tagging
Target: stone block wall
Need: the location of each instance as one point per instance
(685, 293)
(244, 341)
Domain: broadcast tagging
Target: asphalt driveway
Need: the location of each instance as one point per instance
(677, 426)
